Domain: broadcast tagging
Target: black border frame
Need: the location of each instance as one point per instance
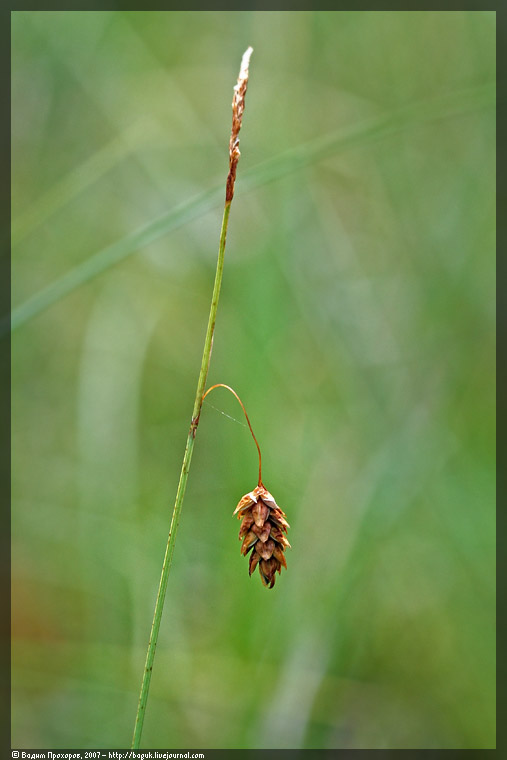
(5, 347)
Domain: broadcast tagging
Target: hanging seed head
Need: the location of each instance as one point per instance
(263, 529)
(238, 106)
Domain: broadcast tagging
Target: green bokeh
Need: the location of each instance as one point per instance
(356, 323)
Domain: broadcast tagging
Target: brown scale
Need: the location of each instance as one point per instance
(263, 529)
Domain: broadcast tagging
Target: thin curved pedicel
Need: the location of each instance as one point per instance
(263, 524)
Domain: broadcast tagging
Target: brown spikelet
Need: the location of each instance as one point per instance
(238, 106)
(263, 528)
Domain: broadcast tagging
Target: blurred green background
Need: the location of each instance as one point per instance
(356, 323)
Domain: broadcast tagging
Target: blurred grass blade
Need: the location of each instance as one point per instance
(84, 175)
(112, 254)
(451, 106)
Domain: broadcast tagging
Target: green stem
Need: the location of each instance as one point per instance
(187, 458)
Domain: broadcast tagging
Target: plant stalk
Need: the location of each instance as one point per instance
(185, 467)
(238, 105)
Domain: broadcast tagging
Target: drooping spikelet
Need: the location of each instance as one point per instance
(263, 530)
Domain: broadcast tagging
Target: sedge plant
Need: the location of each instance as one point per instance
(263, 523)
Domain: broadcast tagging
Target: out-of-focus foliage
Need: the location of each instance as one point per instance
(356, 323)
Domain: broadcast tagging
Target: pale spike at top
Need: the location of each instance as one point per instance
(238, 106)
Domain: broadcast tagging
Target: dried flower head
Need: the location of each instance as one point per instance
(238, 106)
(263, 529)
